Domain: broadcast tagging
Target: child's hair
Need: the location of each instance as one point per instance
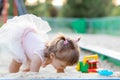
(65, 49)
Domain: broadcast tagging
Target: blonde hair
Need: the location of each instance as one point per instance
(68, 52)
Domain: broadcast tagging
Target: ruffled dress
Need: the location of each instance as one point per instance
(12, 31)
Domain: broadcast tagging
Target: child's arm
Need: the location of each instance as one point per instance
(35, 63)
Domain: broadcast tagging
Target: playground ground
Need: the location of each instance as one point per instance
(111, 42)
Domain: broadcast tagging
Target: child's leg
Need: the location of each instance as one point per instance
(14, 66)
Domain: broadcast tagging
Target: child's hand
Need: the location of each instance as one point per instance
(26, 70)
(60, 70)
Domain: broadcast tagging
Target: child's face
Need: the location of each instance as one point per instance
(58, 64)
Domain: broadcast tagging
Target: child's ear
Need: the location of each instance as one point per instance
(52, 55)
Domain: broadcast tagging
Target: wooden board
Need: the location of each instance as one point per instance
(103, 51)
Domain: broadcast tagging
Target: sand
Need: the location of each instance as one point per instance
(110, 42)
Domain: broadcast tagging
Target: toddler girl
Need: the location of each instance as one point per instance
(26, 40)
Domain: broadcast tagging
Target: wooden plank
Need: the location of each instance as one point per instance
(102, 51)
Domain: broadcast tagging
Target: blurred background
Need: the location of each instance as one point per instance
(96, 21)
(76, 16)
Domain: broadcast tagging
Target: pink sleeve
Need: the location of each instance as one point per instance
(33, 44)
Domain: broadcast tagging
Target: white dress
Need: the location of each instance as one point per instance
(12, 30)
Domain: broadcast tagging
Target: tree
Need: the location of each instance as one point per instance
(53, 11)
(87, 8)
(11, 7)
(43, 9)
(115, 11)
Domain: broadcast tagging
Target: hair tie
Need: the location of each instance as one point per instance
(77, 40)
(66, 41)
